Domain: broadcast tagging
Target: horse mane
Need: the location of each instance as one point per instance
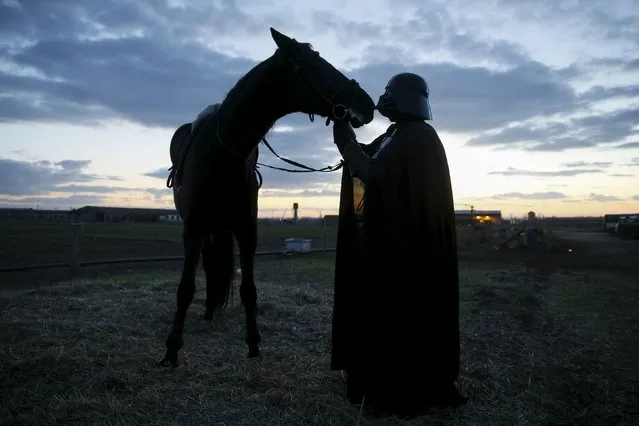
(245, 83)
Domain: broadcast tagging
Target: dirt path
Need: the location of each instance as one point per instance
(610, 244)
(597, 250)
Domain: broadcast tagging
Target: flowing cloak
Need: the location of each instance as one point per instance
(396, 300)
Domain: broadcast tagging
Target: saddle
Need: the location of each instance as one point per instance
(176, 170)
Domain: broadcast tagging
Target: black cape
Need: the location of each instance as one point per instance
(396, 301)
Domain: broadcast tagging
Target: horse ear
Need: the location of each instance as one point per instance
(280, 39)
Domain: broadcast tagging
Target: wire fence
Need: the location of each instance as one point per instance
(34, 245)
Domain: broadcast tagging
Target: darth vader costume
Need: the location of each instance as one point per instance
(396, 303)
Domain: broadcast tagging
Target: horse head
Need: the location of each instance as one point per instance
(317, 87)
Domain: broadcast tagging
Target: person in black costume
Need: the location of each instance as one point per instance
(396, 303)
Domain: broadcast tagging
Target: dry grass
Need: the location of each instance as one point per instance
(32, 243)
(545, 348)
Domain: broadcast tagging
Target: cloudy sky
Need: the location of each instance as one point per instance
(537, 103)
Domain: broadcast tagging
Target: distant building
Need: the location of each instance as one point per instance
(120, 214)
(170, 218)
(33, 214)
(16, 213)
(470, 217)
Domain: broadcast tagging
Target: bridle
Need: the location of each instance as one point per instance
(338, 110)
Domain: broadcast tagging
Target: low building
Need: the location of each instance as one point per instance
(33, 214)
(170, 218)
(120, 214)
(469, 217)
(11, 213)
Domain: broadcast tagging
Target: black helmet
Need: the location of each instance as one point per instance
(406, 95)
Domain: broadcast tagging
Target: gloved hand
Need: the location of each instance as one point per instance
(342, 134)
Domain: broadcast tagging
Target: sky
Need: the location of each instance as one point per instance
(536, 103)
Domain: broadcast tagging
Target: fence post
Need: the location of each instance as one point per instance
(325, 233)
(74, 254)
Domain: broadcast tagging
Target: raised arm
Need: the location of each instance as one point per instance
(352, 152)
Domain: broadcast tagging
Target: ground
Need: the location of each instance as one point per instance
(27, 243)
(547, 338)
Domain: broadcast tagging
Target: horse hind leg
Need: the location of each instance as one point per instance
(185, 294)
(247, 242)
(217, 260)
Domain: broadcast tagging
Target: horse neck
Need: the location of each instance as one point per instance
(260, 102)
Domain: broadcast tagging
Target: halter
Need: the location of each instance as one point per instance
(339, 111)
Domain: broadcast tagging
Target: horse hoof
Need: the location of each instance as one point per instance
(254, 352)
(166, 362)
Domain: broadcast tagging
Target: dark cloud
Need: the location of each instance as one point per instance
(153, 72)
(85, 62)
(432, 26)
(601, 93)
(26, 20)
(635, 197)
(25, 179)
(32, 178)
(300, 193)
(628, 145)
(603, 198)
(161, 173)
(158, 74)
(552, 195)
(588, 131)
(67, 64)
(62, 203)
(551, 173)
(136, 79)
(620, 23)
(459, 94)
(601, 164)
(574, 168)
(623, 63)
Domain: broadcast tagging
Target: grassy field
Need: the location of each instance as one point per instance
(36, 243)
(547, 338)
(29, 243)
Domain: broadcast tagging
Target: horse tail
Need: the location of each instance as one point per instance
(219, 263)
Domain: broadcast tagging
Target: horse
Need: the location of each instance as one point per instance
(214, 175)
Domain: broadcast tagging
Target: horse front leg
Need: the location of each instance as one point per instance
(247, 243)
(185, 294)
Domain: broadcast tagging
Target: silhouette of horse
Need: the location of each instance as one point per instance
(214, 176)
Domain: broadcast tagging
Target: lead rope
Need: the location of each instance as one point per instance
(305, 169)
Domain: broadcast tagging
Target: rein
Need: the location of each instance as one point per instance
(304, 168)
